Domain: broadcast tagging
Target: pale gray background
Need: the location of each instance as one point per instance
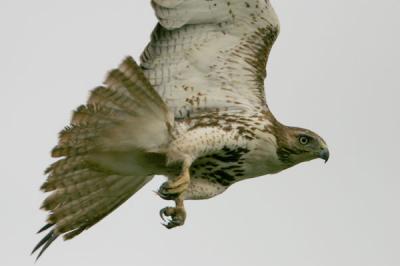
(334, 69)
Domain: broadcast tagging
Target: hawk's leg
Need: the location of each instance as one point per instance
(174, 188)
(176, 215)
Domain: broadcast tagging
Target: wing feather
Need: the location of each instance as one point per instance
(210, 54)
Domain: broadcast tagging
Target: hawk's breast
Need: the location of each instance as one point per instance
(214, 173)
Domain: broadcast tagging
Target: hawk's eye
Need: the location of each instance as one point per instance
(304, 140)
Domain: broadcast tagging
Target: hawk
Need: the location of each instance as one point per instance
(194, 110)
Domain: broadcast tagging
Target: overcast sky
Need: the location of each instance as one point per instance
(334, 69)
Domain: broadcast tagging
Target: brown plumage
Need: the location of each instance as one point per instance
(194, 111)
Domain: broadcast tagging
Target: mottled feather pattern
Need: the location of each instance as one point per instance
(79, 196)
(96, 115)
(220, 64)
(229, 163)
(194, 111)
(83, 190)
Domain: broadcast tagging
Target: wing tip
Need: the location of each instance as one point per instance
(44, 228)
(46, 241)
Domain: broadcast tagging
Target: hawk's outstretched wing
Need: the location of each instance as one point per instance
(210, 54)
(204, 56)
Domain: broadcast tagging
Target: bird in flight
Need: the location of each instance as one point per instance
(194, 110)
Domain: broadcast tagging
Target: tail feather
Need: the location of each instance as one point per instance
(67, 164)
(138, 95)
(112, 99)
(134, 73)
(117, 81)
(105, 153)
(72, 150)
(97, 115)
(89, 209)
(77, 191)
(70, 178)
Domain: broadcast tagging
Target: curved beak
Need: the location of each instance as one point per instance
(324, 154)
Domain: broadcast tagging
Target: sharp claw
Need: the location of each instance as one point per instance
(166, 196)
(171, 218)
(170, 225)
(162, 215)
(171, 191)
(165, 213)
(167, 226)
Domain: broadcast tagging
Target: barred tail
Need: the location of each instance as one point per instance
(105, 153)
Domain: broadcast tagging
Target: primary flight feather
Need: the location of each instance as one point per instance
(194, 111)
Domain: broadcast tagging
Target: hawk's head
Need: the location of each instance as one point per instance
(297, 145)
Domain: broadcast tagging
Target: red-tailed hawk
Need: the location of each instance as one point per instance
(193, 111)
